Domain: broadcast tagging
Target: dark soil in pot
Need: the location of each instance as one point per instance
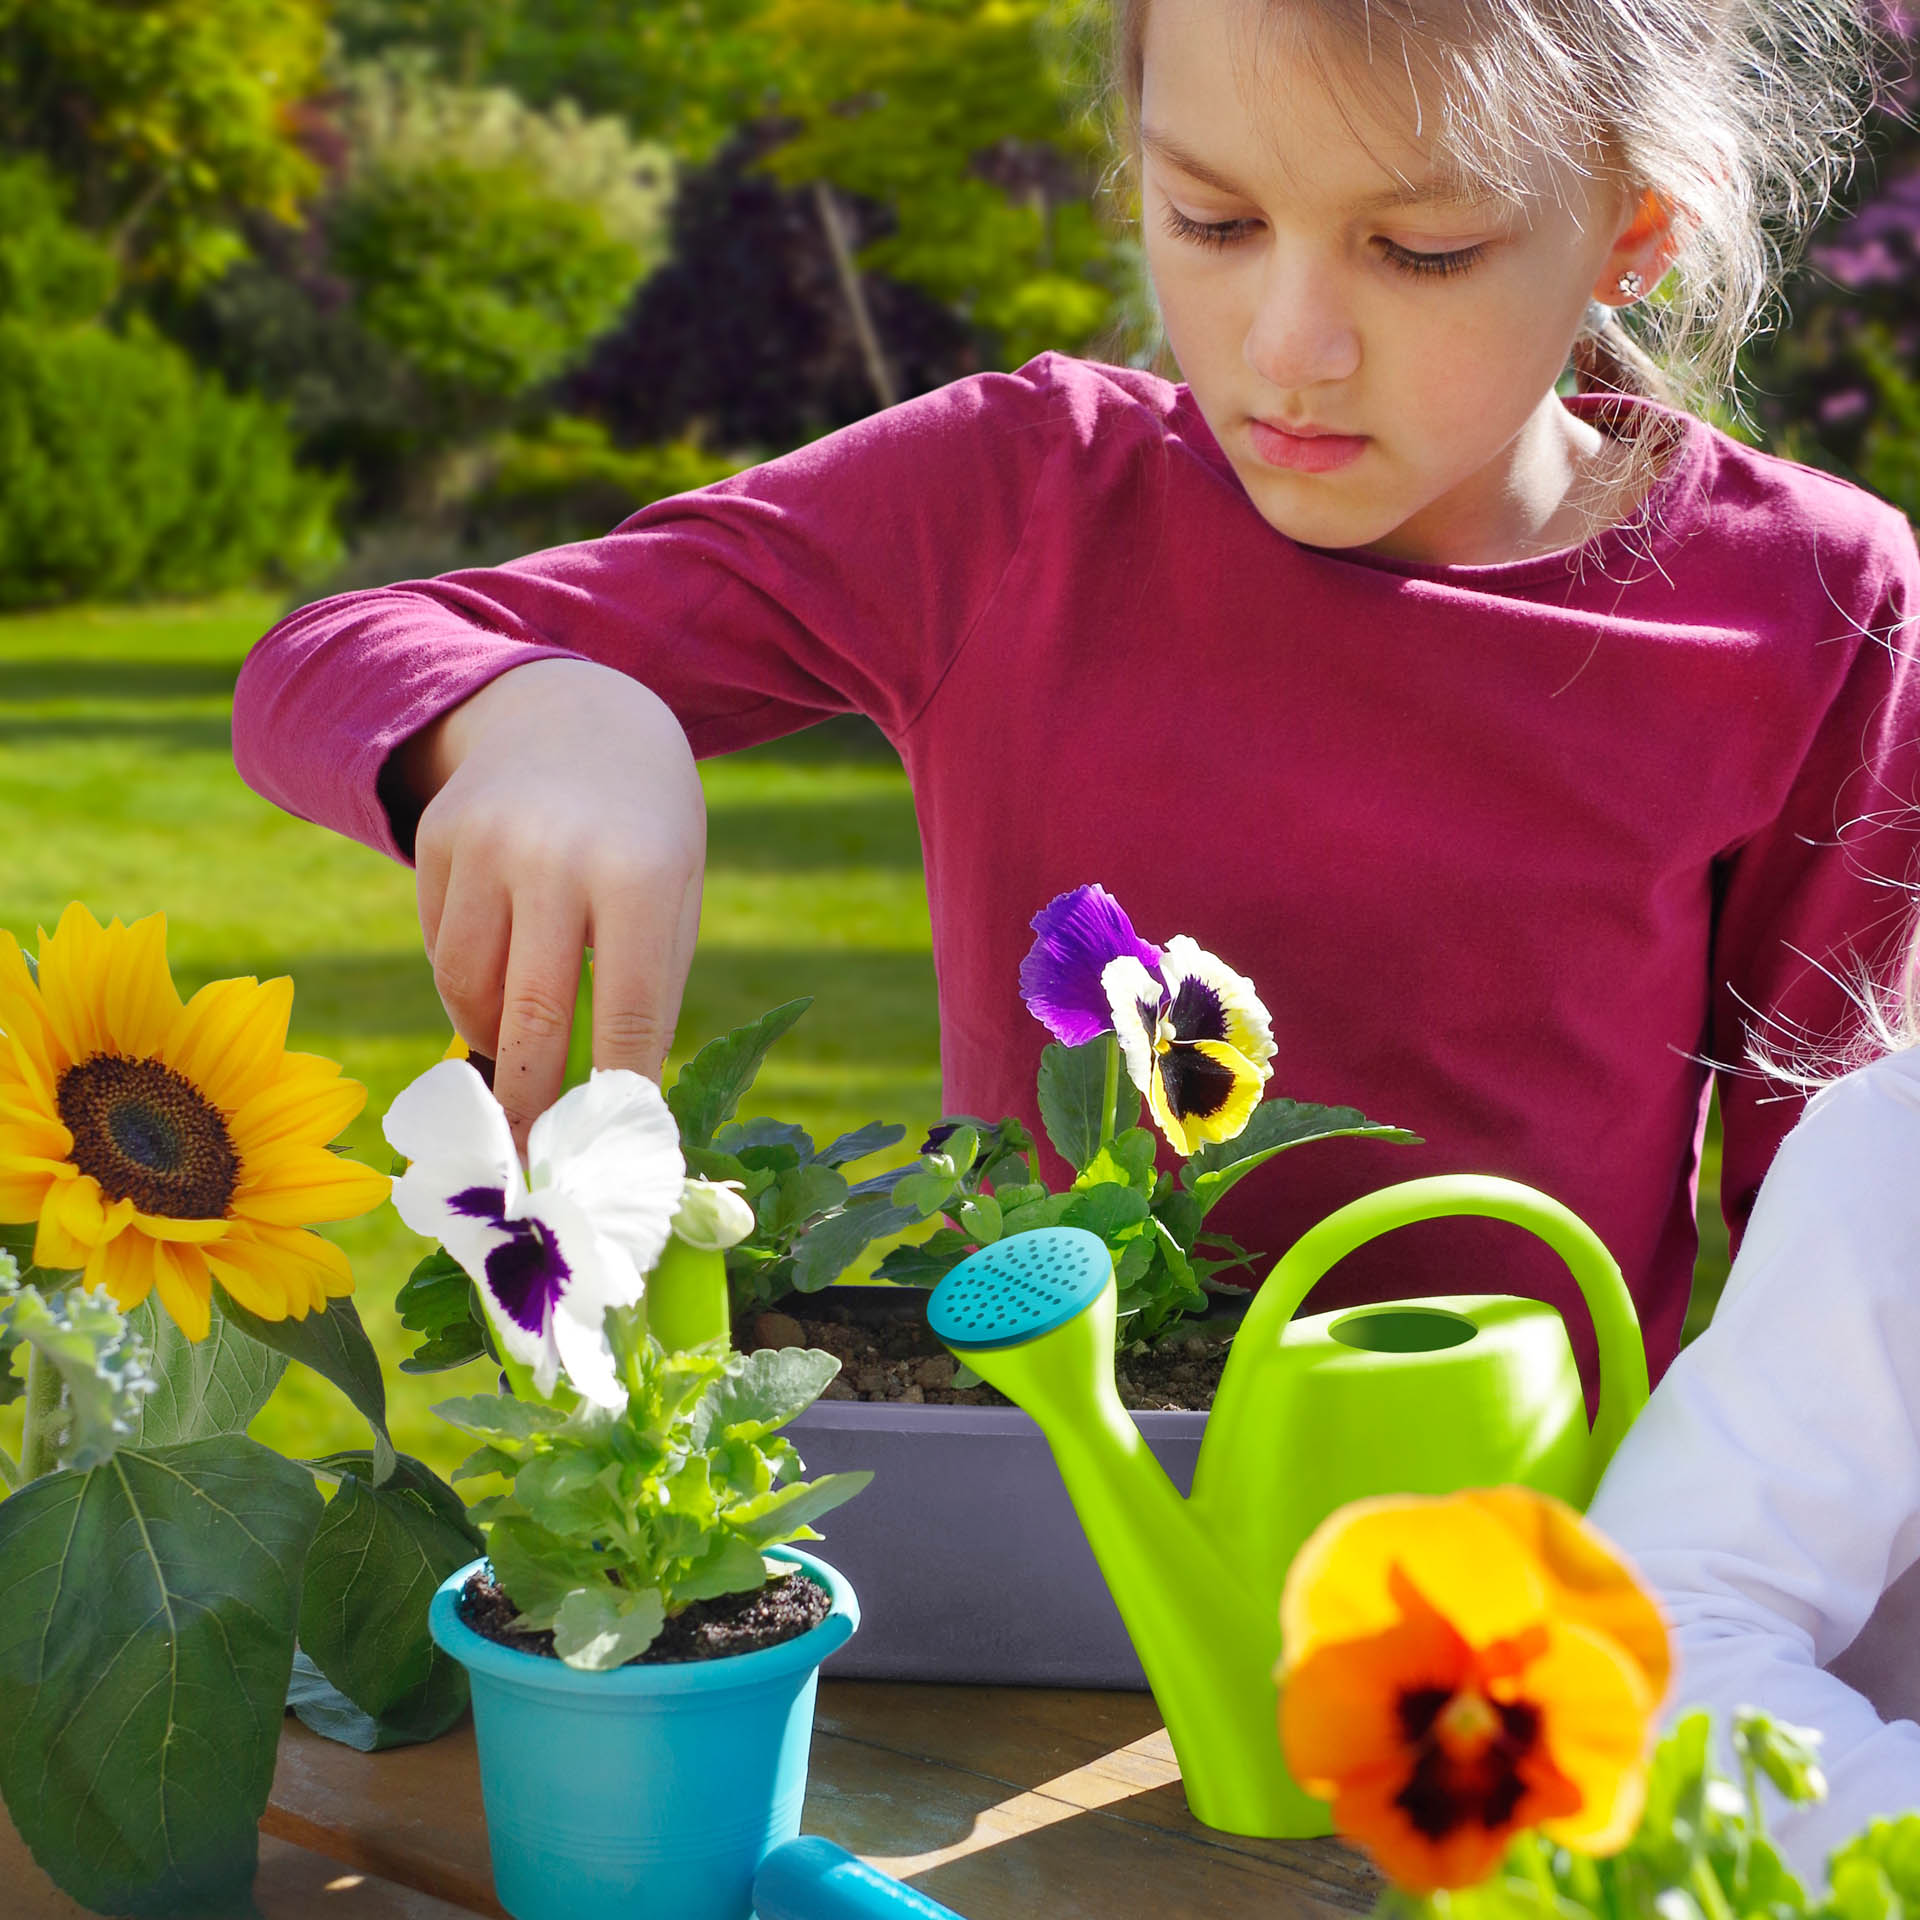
(887, 1352)
(783, 1609)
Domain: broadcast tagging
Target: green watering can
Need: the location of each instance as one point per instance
(1420, 1396)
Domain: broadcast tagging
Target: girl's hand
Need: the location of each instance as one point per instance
(562, 813)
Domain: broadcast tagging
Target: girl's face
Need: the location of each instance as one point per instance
(1306, 283)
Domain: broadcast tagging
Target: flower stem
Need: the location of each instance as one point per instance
(40, 1436)
(1706, 1889)
(1111, 1097)
(9, 1472)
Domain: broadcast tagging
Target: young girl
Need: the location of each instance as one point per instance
(1518, 748)
(1771, 1490)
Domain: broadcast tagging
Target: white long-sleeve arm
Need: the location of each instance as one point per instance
(1771, 1490)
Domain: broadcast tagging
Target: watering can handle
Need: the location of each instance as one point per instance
(1623, 1354)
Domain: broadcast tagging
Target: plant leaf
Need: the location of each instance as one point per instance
(830, 1248)
(872, 1138)
(601, 1627)
(103, 1365)
(379, 1553)
(147, 1611)
(1073, 1086)
(780, 1515)
(499, 1413)
(797, 1196)
(439, 1301)
(924, 1264)
(762, 1392)
(1106, 1210)
(1276, 1125)
(711, 1084)
(738, 1135)
(335, 1345)
(201, 1387)
(537, 1569)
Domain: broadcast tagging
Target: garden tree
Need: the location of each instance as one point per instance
(165, 120)
(743, 339)
(1839, 386)
(465, 251)
(122, 470)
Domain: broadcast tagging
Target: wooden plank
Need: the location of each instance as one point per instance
(1002, 1802)
(292, 1884)
(995, 1799)
(411, 1815)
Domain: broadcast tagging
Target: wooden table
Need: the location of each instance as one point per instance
(1006, 1803)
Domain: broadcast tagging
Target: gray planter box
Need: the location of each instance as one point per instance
(965, 1551)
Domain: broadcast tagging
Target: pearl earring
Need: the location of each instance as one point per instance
(1631, 284)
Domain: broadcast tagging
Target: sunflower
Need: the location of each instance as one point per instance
(160, 1145)
(1458, 1670)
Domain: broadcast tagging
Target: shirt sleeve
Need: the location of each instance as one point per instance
(844, 577)
(1771, 1491)
(1814, 904)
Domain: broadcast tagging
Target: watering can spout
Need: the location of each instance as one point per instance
(1037, 1322)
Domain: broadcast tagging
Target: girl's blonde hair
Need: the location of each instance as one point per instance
(1744, 116)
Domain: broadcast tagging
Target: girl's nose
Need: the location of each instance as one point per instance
(1302, 334)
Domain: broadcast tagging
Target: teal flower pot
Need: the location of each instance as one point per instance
(647, 1793)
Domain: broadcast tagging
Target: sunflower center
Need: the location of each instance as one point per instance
(1468, 1755)
(149, 1135)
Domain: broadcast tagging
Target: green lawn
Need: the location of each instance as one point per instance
(117, 788)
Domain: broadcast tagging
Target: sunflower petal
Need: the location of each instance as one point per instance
(229, 1038)
(141, 1001)
(307, 1103)
(185, 1287)
(165, 1226)
(74, 963)
(73, 1222)
(125, 1267)
(23, 1019)
(299, 1269)
(302, 1185)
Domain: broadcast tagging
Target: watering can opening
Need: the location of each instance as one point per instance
(1402, 1330)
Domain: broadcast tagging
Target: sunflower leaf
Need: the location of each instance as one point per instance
(1274, 1126)
(335, 1345)
(711, 1084)
(201, 1387)
(378, 1556)
(147, 1611)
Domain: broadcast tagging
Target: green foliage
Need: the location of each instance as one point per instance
(974, 122)
(710, 1086)
(441, 1301)
(104, 1368)
(569, 482)
(985, 1180)
(168, 118)
(124, 472)
(488, 242)
(1701, 1851)
(382, 1549)
(200, 1387)
(147, 1612)
(50, 272)
(615, 1522)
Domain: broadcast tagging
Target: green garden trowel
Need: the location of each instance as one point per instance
(1416, 1396)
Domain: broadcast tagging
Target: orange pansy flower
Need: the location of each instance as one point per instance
(1458, 1669)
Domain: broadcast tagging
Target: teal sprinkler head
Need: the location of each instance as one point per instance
(1413, 1396)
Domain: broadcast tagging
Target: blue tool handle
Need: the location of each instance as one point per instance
(812, 1879)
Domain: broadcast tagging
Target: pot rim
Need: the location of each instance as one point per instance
(758, 1668)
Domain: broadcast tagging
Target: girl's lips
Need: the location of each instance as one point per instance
(1304, 453)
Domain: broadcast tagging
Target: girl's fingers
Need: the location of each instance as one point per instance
(470, 954)
(536, 1013)
(640, 959)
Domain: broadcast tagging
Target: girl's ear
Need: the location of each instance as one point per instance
(1641, 252)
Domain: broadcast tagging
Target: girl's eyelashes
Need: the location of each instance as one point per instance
(1206, 233)
(1460, 260)
(1223, 233)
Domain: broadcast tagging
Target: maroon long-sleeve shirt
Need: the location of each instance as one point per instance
(1507, 850)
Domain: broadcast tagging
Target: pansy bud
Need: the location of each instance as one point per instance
(713, 1215)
